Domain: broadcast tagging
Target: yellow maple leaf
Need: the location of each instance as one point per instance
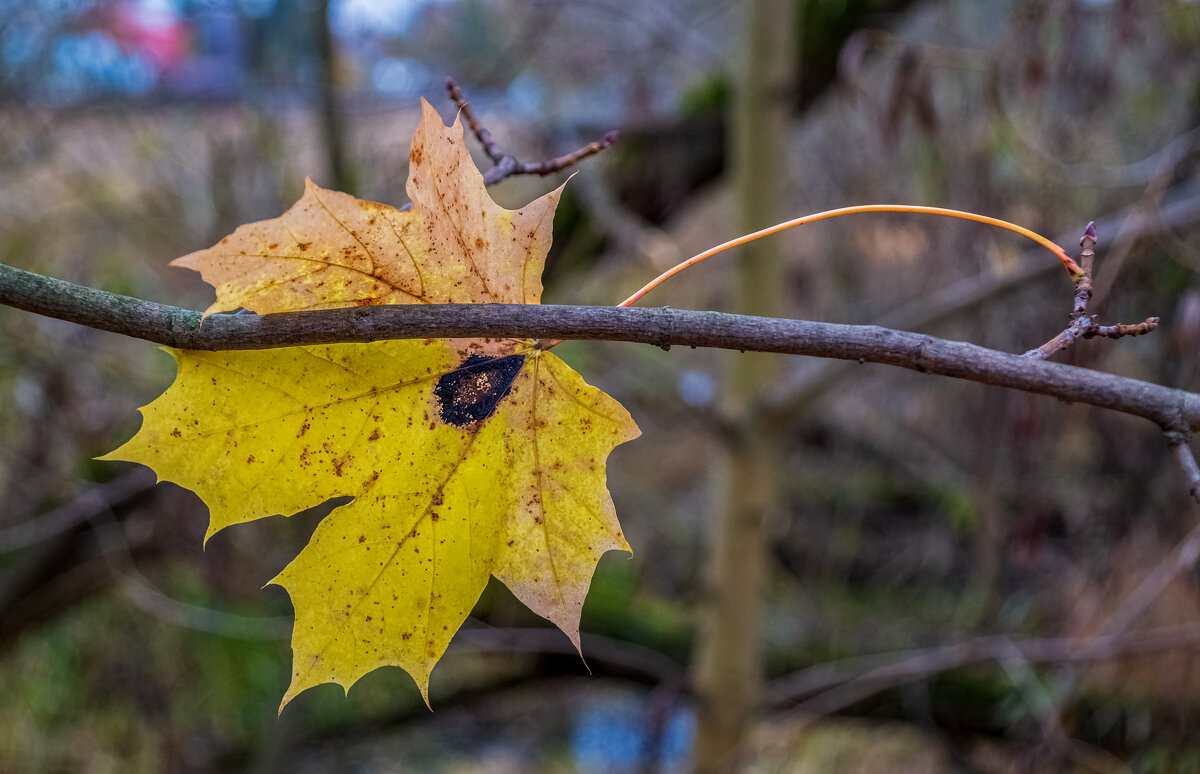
(465, 458)
(332, 250)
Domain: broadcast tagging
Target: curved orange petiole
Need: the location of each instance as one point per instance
(1073, 268)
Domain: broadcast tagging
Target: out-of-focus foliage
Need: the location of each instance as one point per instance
(918, 512)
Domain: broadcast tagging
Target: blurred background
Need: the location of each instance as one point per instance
(931, 576)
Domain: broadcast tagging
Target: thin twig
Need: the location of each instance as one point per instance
(1182, 559)
(1032, 689)
(490, 147)
(1082, 325)
(118, 554)
(1182, 451)
(1087, 261)
(507, 165)
(832, 686)
(97, 499)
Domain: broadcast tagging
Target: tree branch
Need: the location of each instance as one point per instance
(1187, 461)
(1084, 325)
(507, 165)
(99, 499)
(829, 687)
(1173, 410)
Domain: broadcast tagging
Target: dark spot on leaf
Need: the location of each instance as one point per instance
(362, 538)
(472, 391)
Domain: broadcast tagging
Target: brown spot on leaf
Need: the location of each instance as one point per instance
(176, 434)
(471, 392)
(415, 155)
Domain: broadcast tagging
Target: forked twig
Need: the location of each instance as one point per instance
(1082, 324)
(507, 165)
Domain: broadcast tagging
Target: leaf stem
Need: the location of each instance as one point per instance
(1073, 268)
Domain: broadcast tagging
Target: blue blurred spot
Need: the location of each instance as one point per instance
(398, 77)
(256, 9)
(697, 388)
(611, 735)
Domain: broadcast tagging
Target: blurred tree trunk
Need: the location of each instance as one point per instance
(332, 131)
(728, 670)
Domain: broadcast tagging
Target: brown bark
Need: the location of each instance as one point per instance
(1171, 409)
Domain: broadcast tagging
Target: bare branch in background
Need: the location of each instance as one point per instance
(98, 499)
(507, 165)
(829, 687)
